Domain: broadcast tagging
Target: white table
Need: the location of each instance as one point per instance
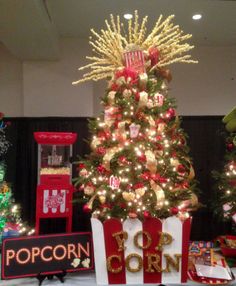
(78, 279)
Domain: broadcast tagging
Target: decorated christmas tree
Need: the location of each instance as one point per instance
(225, 203)
(139, 165)
(10, 221)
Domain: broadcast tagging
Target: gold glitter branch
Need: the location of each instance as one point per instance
(109, 46)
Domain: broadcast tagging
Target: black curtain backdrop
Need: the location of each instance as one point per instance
(207, 149)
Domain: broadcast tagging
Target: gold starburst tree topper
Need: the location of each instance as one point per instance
(109, 47)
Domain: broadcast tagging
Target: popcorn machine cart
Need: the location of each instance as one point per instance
(54, 188)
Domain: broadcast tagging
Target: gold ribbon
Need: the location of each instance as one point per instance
(160, 195)
(151, 161)
(108, 156)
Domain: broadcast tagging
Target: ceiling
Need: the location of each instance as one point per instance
(30, 29)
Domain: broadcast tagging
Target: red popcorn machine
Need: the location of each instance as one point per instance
(54, 188)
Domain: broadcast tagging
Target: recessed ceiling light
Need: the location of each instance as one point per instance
(197, 17)
(128, 16)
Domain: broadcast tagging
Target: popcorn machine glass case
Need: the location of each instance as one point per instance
(54, 152)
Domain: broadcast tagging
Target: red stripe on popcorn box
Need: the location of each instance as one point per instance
(135, 252)
(113, 235)
(152, 227)
(135, 60)
(185, 248)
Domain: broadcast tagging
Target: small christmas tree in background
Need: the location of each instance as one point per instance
(139, 164)
(10, 221)
(225, 205)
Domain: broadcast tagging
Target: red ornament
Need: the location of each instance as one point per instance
(101, 169)
(146, 214)
(162, 180)
(106, 206)
(142, 158)
(154, 55)
(122, 160)
(230, 146)
(86, 209)
(122, 205)
(82, 166)
(138, 186)
(170, 113)
(181, 169)
(114, 87)
(174, 210)
(137, 96)
(127, 73)
(104, 135)
(145, 175)
(101, 150)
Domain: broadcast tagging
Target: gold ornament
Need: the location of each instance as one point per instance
(129, 197)
(143, 99)
(95, 142)
(111, 97)
(4, 188)
(120, 133)
(110, 45)
(102, 199)
(140, 192)
(174, 162)
(127, 93)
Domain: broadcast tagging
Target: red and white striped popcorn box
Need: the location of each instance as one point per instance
(135, 263)
(135, 60)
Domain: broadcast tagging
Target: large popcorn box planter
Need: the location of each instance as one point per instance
(135, 252)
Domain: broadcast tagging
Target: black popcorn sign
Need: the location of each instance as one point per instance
(46, 254)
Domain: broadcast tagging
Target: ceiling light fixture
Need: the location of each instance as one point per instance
(197, 17)
(128, 16)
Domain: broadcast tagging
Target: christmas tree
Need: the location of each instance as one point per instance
(10, 221)
(225, 203)
(139, 165)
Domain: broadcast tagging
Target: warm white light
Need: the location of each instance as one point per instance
(197, 17)
(128, 16)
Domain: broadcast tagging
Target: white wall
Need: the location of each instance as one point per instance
(11, 101)
(207, 88)
(47, 85)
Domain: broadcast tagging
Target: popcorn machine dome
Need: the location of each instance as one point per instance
(54, 152)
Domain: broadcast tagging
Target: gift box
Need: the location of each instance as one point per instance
(136, 252)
